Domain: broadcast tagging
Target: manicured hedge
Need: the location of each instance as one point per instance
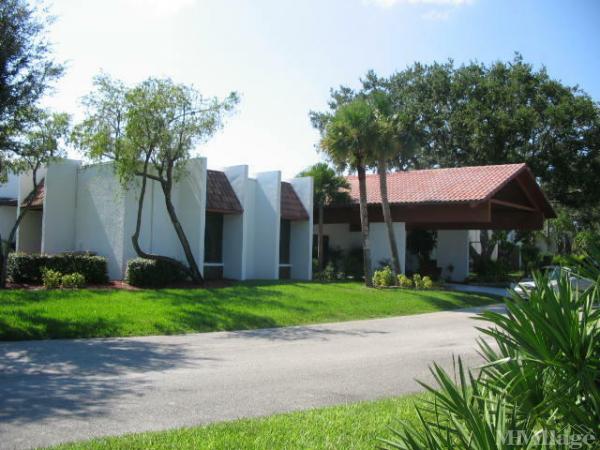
(143, 272)
(26, 268)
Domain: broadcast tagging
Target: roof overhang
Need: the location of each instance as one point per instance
(517, 204)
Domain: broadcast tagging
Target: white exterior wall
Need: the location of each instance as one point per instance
(453, 249)
(60, 203)
(100, 216)
(106, 216)
(235, 226)
(8, 214)
(301, 232)
(8, 217)
(264, 262)
(380, 243)
(341, 237)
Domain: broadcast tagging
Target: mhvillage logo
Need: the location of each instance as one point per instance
(573, 437)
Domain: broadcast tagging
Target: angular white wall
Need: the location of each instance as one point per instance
(301, 232)
(60, 203)
(264, 260)
(453, 250)
(236, 226)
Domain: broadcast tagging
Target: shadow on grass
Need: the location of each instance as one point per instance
(80, 378)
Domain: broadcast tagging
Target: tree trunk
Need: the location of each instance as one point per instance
(387, 217)
(189, 256)
(138, 226)
(13, 233)
(364, 224)
(320, 246)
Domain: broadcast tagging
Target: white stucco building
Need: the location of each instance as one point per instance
(261, 227)
(239, 227)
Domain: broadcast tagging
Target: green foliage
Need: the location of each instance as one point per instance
(328, 274)
(27, 267)
(426, 282)
(417, 281)
(384, 277)
(26, 72)
(51, 279)
(328, 186)
(584, 241)
(153, 273)
(490, 271)
(352, 263)
(404, 281)
(540, 375)
(421, 243)
(72, 281)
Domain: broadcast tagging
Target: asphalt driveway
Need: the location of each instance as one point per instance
(66, 390)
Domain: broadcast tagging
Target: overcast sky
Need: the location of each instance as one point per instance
(283, 56)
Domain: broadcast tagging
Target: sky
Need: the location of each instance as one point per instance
(283, 56)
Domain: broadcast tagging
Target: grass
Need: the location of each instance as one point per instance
(356, 426)
(103, 313)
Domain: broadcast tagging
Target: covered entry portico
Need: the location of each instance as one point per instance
(447, 201)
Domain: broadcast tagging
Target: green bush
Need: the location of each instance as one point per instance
(540, 375)
(383, 277)
(27, 268)
(426, 282)
(404, 281)
(143, 272)
(73, 281)
(51, 278)
(417, 281)
(328, 274)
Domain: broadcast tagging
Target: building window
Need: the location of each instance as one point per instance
(284, 242)
(213, 238)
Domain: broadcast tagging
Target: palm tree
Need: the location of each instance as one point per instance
(387, 147)
(328, 188)
(348, 138)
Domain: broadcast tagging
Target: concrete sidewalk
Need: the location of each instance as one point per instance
(65, 390)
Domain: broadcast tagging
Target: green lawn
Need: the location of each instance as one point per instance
(103, 313)
(357, 426)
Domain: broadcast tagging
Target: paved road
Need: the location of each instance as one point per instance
(65, 390)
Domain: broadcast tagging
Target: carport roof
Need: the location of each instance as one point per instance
(469, 185)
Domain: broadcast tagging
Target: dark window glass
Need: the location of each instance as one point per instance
(213, 238)
(284, 242)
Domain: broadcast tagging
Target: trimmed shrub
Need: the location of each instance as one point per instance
(27, 268)
(404, 281)
(51, 278)
(426, 282)
(383, 277)
(73, 281)
(417, 281)
(143, 272)
(328, 274)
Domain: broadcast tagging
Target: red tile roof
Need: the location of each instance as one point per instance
(453, 185)
(291, 206)
(220, 196)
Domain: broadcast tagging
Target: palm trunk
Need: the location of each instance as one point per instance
(364, 224)
(387, 217)
(189, 256)
(320, 246)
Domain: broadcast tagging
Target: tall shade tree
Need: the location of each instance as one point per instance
(42, 143)
(505, 112)
(150, 132)
(348, 135)
(26, 73)
(329, 187)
